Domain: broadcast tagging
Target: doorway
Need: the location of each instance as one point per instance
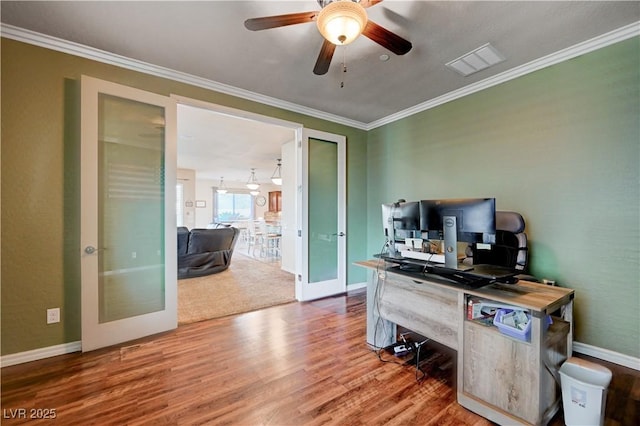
(219, 147)
(241, 144)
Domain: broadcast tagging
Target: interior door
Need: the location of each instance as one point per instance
(128, 219)
(321, 270)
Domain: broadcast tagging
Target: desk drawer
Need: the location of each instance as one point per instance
(429, 310)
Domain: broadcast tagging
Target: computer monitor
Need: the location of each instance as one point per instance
(471, 220)
(400, 220)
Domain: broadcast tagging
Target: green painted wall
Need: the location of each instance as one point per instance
(560, 146)
(40, 185)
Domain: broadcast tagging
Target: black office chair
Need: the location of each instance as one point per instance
(511, 246)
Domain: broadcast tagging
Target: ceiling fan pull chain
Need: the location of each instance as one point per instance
(344, 65)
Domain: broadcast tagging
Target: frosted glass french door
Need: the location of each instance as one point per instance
(128, 233)
(322, 271)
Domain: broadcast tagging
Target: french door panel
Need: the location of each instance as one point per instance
(128, 236)
(322, 270)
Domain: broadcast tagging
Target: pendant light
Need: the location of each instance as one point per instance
(276, 178)
(252, 183)
(221, 189)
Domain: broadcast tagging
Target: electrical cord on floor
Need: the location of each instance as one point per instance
(415, 348)
(391, 360)
(381, 267)
(412, 346)
(380, 279)
(418, 346)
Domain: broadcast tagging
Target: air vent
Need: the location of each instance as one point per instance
(477, 60)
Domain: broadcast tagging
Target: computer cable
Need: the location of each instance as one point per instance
(415, 347)
(418, 346)
(427, 264)
(380, 277)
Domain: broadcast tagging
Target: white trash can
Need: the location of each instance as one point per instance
(584, 392)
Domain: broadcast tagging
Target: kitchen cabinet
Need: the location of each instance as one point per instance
(275, 201)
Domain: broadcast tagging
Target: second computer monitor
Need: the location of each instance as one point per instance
(475, 218)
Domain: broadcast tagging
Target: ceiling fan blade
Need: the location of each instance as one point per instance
(324, 58)
(266, 22)
(369, 3)
(386, 38)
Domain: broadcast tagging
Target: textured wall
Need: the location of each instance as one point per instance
(40, 185)
(561, 146)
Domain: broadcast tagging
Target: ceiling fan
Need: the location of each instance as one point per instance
(340, 22)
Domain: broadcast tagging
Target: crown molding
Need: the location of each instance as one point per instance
(72, 48)
(76, 49)
(621, 34)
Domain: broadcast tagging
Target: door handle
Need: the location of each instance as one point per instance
(91, 249)
(340, 234)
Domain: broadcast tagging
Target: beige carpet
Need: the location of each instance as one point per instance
(247, 285)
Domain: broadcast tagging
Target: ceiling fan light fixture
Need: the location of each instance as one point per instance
(341, 21)
(252, 183)
(276, 178)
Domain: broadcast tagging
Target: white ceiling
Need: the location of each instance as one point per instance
(220, 145)
(207, 39)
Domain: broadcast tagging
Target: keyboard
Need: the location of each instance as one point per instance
(494, 272)
(477, 275)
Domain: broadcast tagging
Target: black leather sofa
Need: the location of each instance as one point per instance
(204, 251)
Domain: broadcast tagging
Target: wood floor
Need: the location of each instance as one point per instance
(295, 364)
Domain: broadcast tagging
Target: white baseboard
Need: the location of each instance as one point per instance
(356, 286)
(42, 353)
(67, 348)
(607, 355)
(293, 272)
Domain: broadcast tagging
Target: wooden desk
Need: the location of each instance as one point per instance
(506, 380)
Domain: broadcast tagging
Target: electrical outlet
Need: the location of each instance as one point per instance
(53, 315)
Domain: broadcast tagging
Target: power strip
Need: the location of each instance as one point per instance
(401, 350)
